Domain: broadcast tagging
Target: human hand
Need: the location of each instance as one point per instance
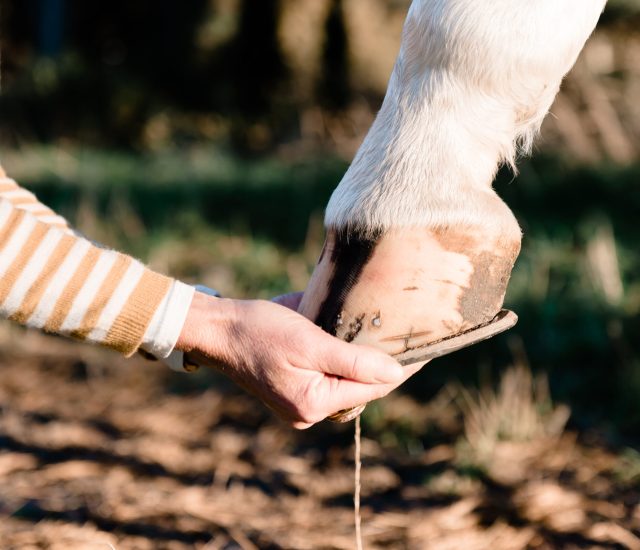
(298, 370)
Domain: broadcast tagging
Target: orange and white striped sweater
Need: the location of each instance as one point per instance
(58, 281)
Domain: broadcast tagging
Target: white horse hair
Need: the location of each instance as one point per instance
(469, 90)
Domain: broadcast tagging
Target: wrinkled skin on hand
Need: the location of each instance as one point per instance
(299, 371)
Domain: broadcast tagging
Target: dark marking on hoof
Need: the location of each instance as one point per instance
(354, 328)
(323, 252)
(408, 339)
(410, 288)
(351, 252)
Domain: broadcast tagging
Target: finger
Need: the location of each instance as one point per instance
(346, 394)
(410, 370)
(360, 363)
(291, 300)
(301, 425)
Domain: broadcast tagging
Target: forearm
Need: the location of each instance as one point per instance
(56, 281)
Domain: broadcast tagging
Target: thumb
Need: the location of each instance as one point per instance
(361, 363)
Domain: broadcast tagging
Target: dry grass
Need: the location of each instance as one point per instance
(99, 451)
(520, 410)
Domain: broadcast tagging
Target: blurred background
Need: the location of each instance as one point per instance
(205, 137)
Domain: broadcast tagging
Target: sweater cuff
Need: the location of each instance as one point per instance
(166, 325)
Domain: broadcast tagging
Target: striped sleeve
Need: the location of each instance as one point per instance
(56, 281)
(25, 200)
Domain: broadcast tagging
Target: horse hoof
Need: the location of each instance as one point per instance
(409, 288)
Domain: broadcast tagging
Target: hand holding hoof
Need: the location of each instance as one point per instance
(299, 371)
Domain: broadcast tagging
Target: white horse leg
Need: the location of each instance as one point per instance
(419, 247)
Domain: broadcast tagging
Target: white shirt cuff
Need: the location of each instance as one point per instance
(166, 325)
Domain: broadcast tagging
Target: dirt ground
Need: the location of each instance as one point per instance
(98, 452)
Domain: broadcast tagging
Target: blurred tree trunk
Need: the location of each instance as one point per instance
(333, 90)
(258, 62)
(50, 27)
(257, 73)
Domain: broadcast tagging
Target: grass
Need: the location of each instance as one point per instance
(266, 199)
(628, 469)
(254, 229)
(519, 410)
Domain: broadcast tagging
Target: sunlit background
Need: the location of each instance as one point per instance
(205, 137)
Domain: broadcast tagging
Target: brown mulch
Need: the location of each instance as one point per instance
(97, 452)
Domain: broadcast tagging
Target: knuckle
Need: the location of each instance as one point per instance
(310, 416)
(308, 410)
(355, 367)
